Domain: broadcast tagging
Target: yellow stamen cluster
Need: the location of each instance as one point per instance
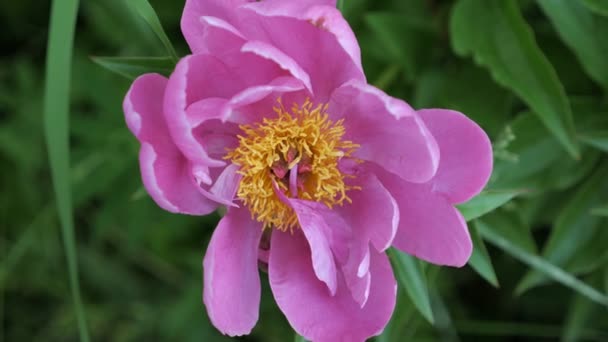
(303, 136)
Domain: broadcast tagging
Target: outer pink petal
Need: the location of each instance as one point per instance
(430, 228)
(466, 154)
(323, 14)
(310, 308)
(166, 174)
(388, 130)
(231, 280)
(196, 32)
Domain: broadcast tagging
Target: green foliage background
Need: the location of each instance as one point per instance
(85, 254)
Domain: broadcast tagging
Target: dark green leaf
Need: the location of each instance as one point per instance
(411, 278)
(143, 8)
(480, 259)
(583, 32)
(598, 6)
(485, 202)
(133, 67)
(506, 46)
(574, 226)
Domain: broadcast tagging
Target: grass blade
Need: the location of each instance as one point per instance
(145, 10)
(495, 236)
(56, 126)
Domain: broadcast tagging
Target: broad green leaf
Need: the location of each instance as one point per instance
(584, 32)
(480, 259)
(56, 127)
(133, 67)
(598, 6)
(506, 46)
(145, 10)
(411, 276)
(574, 227)
(299, 338)
(485, 202)
(500, 234)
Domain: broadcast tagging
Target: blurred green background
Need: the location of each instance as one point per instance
(532, 73)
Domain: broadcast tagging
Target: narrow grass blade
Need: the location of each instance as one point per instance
(145, 10)
(494, 236)
(56, 126)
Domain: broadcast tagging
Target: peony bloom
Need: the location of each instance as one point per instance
(272, 117)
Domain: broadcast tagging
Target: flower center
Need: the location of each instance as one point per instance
(296, 154)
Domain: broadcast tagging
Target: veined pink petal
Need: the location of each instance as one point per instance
(388, 130)
(231, 280)
(311, 310)
(466, 154)
(430, 228)
(166, 173)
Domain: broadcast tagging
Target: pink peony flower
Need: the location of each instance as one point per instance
(272, 117)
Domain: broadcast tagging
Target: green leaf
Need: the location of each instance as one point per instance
(145, 10)
(598, 6)
(506, 46)
(485, 202)
(132, 67)
(580, 313)
(411, 277)
(597, 139)
(583, 32)
(402, 39)
(480, 259)
(56, 128)
(600, 211)
(575, 226)
(299, 338)
(499, 233)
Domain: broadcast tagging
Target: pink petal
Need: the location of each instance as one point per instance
(166, 174)
(430, 228)
(374, 213)
(225, 186)
(195, 31)
(388, 130)
(316, 230)
(323, 14)
(311, 310)
(231, 280)
(466, 154)
(207, 78)
(287, 63)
